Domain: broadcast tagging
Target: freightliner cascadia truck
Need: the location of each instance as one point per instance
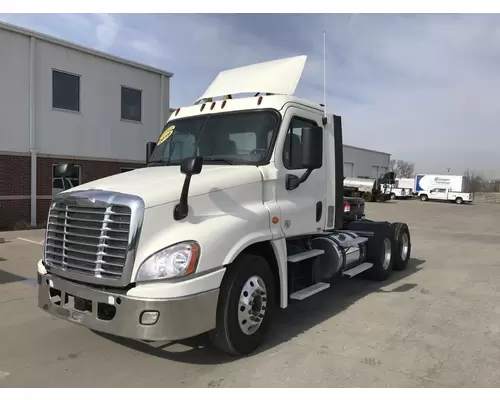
(238, 212)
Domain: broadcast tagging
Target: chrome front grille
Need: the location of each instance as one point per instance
(91, 239)
(87, 240)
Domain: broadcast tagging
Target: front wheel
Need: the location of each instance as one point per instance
(245, 307)
(424, 197)
(393, 196)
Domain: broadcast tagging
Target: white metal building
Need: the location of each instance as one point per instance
(365, 163)
(61, 101)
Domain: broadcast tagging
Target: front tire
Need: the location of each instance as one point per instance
(245, 307)
(424, 197)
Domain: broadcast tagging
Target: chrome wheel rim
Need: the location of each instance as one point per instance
(387, 253)
(252, 305)
(405, 245)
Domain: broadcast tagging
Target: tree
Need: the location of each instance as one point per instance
(475, 181)
(402, 169)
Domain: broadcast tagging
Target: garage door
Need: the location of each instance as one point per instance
(348, 169)
(375, 174)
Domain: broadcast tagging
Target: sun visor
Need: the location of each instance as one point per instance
(277, 77)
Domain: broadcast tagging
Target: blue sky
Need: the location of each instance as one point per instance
(424, 87)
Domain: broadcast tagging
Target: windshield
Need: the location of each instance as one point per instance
(232, 138)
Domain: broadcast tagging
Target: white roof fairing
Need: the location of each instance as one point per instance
(278, 77)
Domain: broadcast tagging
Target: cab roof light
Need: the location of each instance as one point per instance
(213, 105)
(177, 111)
(259, 100)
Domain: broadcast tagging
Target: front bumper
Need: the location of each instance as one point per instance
(120, 315)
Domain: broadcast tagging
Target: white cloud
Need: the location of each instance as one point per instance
(106, 31)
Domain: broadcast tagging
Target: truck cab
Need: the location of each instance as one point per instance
(239, 211)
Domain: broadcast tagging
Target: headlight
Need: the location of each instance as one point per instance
(174, 261)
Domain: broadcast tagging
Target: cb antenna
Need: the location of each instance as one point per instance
(324, 71)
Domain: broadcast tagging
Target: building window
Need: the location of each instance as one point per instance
(65, 91)
(292, 150)
(131, 104)
(70, 182)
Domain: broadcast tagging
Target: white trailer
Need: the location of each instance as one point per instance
(443, 188)
(405, 183)
(238, 212)
(402, 189)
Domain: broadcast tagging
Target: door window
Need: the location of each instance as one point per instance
(292, 149)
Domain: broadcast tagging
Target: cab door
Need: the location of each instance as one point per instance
(303, 209)
(440, 194)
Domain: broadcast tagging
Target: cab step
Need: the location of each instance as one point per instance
(294, 258)
(357, 270)
(309, 291)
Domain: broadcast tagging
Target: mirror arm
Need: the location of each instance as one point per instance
(304, 176)
(293, 182)
(181, 209)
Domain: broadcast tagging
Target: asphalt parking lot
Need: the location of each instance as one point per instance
(436, 324)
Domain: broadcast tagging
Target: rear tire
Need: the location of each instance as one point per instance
(379, 248)
(459, 200)
(246, 300)
(402, 245)
(393, 196)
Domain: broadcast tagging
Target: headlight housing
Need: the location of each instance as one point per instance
(174, 261)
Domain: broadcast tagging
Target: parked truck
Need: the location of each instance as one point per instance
(371, 190)
(354, 210)
(402, 189)
(443, 188)
(238, 212)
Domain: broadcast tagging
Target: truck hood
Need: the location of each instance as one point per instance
(163, 184)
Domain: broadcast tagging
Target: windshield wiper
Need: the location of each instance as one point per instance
(219, 159)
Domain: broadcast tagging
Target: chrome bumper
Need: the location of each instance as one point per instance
(120, 315)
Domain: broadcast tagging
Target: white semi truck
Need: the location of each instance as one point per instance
(443, 188)
(239, 211)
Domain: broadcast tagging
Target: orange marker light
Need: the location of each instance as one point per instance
(275, 220)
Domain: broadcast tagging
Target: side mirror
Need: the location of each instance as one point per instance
(191, 166)
(312, 147)
(65, 170)
(150, 147)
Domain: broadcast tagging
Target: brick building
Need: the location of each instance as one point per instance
(64, 102)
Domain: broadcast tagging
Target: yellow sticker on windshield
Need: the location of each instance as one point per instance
(166, 134)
